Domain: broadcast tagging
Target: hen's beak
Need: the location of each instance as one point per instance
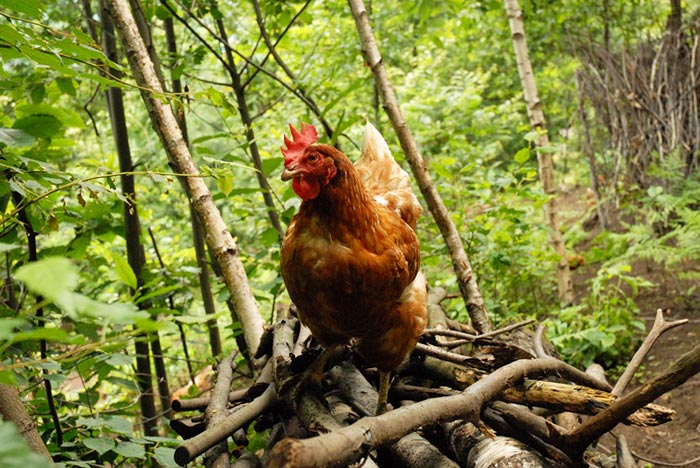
(290, 173)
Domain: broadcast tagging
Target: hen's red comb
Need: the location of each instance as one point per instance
(299, 142)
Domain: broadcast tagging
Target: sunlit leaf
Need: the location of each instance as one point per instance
(124, 271)
(28, 7)
(52, 277)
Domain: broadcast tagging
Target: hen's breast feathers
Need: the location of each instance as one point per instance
(351, 264)
(384, 179)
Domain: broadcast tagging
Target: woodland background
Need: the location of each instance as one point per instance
(106, 274)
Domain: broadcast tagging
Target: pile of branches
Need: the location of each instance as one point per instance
(648, 100)
(462, 399)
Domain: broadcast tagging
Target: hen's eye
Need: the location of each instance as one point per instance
(313, 158)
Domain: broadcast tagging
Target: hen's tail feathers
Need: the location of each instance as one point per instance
(384, 179)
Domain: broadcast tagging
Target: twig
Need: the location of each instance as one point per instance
(192, 404)
(448, 356)
(171, 305)
(539, 342)
(660, 327)
(624, 456)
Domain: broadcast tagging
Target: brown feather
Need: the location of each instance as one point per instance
(351, 265)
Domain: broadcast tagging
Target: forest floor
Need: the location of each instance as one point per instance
(676, 443)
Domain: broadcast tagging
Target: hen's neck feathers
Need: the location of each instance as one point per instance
(344, 200)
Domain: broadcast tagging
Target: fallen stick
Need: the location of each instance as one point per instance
(659, 327)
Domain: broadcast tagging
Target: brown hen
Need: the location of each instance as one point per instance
(350, 258)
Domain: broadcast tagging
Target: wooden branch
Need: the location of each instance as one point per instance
(465, 276)
(12, 409)
(311, 409)
(519, 423)
(193, 404)
(219, 239)
(472, 337)
(683, 369)
(414, 451)
(455, 358)
(215, 413)
(581, 400)
(197, 445)
(659, 328)
(344, 445)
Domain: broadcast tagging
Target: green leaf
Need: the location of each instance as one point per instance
(8, 377)
(100, 445)
(10, 34)
(225, 184)
(269, 165)
(114, 423)
(51, 277)
(16, 138)
(165, 456)
(14, 451)
(48, 334)
(39, 126)
(28, 7)
(65, 115)
(66, 86)
(130, 450)
(124, 272)
(522, 156)
(9, 325)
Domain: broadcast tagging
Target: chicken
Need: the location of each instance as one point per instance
(350, 258)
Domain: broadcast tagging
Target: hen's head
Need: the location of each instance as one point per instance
(308, 165)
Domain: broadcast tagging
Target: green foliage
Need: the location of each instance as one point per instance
(455, 75)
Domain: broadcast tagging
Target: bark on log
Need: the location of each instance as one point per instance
(342, 446)
(504, 452)
(581, 400)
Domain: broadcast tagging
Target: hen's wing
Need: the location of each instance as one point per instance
(384, 178)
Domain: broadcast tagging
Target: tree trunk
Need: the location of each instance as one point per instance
(12, 409)
(544, 159)
(219, 239)
(134, 249)
(197, 231)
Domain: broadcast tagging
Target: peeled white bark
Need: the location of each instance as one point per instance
(544, 159)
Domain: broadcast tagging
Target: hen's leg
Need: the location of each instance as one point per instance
(313, 375)
(384, 384)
